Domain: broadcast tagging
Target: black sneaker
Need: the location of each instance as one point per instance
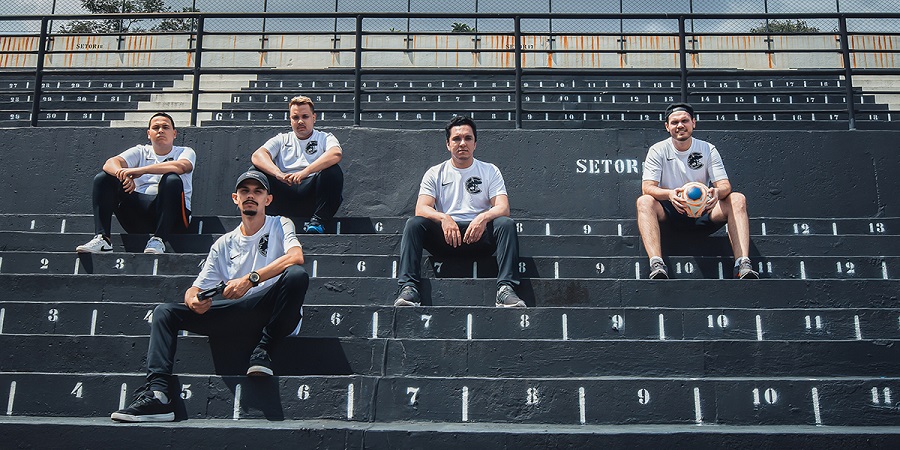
(260, 364)
(658, 271)
(408, 296)
(507, 298)
(146, 408)
(744, 271)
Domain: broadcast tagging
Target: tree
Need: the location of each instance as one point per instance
(784, 27)
(107, 26)
(461, 28)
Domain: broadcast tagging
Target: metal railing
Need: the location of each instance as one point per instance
(686, 45)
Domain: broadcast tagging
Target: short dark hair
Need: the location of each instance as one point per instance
(675, 107)
(162, 114)
(459, 121)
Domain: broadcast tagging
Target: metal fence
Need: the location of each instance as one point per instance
(463, 7)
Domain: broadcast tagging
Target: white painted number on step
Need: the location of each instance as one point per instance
(524, 321)
(361, 266)
(414, 398)
(813, 322)
(78, 390)
(522, 267)
(600, 268)
(437, 267)
(618, 322)
(721, 321)
(643, 396)
(45, 263)
(532, 397)
(120, 263)
(303, 392)
(876, 227)
(770, 396)
(427, 319)
(336, 319)
(885, 396)
(587, 229)
(848, 267)
(519, 227)
(801, 228)
(688, 267)
(149, 316)
(186, 392)
(53, 315)
(379, 226)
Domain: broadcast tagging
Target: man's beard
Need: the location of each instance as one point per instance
(249, 212)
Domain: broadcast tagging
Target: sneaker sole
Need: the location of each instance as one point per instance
(405, 303)
(519, 304)
(119, 417)
(153, 252)
(259, 371)
(659, 276)
(84, 250)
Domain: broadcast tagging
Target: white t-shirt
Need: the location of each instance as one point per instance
(463, 193)
(293, 155)
(672, 168)
(235, 255)
(143, 155)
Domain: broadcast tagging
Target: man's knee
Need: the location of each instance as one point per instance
(297, 277)
(737, 201)
(414, 224)
(105, 179)
(646, 204)
(171, 181)
(505, 224)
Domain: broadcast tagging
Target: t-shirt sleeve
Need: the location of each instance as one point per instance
(274, 145)
(653, 165)
(716, 166)
(189, 154)
(497, 185)
(290, 235)
(331, 141)
(209, 277)
(429, 182)
(132, 156)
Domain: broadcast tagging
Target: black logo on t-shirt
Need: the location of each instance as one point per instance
(695, 161)
(312, 147)
(264, 244)
(473, 185)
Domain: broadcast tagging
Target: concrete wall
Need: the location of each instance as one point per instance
(549, 173)
(313, 52)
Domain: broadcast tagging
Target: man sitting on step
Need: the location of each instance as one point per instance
(669, 165)
(148, 187)
(462, 210)
(257, 269)
(302, 166)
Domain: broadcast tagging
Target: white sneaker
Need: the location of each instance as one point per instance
(98, 244)
(155, 246)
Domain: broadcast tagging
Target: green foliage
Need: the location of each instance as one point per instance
(461, 28)
(784, 27)
(109, 26)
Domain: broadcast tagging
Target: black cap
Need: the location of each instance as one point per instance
(253, 175)
(675, 107)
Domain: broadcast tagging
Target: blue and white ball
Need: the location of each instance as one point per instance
(694, 195)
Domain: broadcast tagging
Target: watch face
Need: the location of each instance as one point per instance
(254, 277)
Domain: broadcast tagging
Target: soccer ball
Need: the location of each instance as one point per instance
(694, 196)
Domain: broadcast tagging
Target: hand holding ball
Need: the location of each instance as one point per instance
(694, 196)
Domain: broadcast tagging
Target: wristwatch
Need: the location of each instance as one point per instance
(254, 278)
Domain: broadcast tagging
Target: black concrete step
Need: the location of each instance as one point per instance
(529, 245)
(367, 265)
(43, 432)
(762, 226)
(519, 358)
(486, 322)
(683, 293)
(857, 401)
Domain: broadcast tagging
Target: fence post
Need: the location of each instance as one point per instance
(848, 71)
(357, 74)
(518, 27)
(39, 73)
(198, 56)
(682, 58)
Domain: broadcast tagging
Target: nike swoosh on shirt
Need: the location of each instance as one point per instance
(235, 256)
(444, 184)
